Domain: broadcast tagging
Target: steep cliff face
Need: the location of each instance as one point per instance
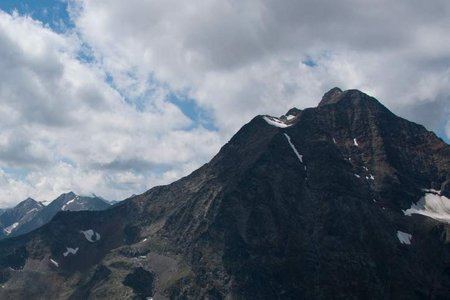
(321, 203)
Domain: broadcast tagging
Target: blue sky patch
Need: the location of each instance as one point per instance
(16, 173)
(51, 12)
(308, 61)
(197, 114)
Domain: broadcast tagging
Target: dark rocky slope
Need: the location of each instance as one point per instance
(309, 209)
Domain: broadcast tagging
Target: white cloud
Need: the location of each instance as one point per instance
(67, 129)
(242, 58)
(11, 190)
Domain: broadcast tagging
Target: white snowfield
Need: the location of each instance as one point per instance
(10, 228)
(70, 251)
(404, 238)
(69, 202)
(31, 210)
(355, 142)
(299, 156)
(433, 205)
(54, 262)
(275, 122)
(91, 235)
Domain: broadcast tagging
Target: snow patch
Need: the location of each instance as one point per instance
(355, 142)
(30, 211)
(431, 191)
(10, 228)
(370, 177)
(299, 156)
(91, 235)
(290, 117)
(433, 205)
(275, 122)
(404, 238)
(334, 140)
(54, 262)
(70, 251)
(357, 176)
(68, 202)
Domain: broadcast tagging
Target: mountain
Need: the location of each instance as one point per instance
(29, 214)
(342, 201)
(11, 219)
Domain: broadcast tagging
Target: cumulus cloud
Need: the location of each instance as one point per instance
(249, 56)
(65, 128)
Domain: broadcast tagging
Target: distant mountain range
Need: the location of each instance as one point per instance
(31, 214)
(345, 200)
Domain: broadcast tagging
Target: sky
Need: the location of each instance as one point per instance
(114, 97)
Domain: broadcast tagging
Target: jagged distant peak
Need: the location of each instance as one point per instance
(29, 200)
(70, 194)
(64, 197)
(27, 203)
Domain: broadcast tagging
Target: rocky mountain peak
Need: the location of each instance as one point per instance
(69, 195)
(293, 112)
(332, 96)
(13, 217)
(29, 201)
(351, 98)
